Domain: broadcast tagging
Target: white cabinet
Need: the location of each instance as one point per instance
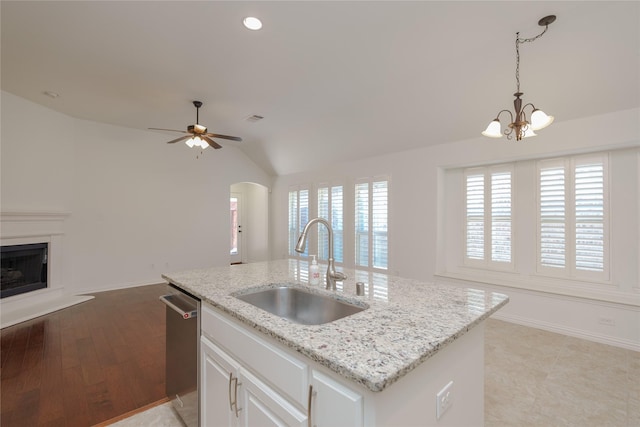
(232, 396)
(248, 381)
(218, 385)
(333, 404)
(262, 406)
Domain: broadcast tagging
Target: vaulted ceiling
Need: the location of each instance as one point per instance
(333, 80)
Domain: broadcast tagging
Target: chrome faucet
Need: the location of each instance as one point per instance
(332, 274)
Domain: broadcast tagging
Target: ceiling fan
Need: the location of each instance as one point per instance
(197, 134)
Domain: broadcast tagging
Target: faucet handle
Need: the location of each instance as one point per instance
(339, 276)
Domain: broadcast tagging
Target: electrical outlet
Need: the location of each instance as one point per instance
(444, 399)
(609, 321)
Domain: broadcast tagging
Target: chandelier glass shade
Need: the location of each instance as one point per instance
(521, 125)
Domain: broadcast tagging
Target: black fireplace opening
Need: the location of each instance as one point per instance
(24, 268)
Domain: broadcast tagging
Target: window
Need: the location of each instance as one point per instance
(233, 202)
(488, 224)
(298, 217)
(371, 215)
(330, 207)
(572, 217)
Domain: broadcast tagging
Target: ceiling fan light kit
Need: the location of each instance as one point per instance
(197, 135)
(252, 23)
(519, 124)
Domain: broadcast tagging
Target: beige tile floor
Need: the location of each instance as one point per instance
(534, 378)
(539, 378)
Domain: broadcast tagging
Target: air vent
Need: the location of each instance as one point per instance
(254, 118)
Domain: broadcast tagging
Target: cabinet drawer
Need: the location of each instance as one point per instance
(285, 372)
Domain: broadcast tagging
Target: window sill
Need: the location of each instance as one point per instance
(602, 291)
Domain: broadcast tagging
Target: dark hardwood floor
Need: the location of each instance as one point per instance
(86, 364)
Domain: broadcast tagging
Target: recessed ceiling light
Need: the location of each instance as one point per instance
(252, 23)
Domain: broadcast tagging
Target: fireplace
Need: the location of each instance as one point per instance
(24, 268)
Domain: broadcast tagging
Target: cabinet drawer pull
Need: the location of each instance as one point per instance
(309, 402)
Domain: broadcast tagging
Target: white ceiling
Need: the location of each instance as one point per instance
(334, 80)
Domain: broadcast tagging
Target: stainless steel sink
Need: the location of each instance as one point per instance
(299, 305)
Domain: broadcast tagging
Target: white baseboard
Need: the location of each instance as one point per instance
(572, 332)
(119, 286)
(25, 307)
(24, 313)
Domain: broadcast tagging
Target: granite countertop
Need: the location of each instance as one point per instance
(407, 321)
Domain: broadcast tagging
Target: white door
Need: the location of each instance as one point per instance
(235, 212)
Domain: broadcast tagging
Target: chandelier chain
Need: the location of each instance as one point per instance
(518, 42)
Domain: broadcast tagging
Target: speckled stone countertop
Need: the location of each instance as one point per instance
(407, 321)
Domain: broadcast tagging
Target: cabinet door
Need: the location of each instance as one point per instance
(334, 404)
(263, 407)
(218, 389)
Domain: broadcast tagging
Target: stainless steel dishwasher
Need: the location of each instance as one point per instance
(182, 348)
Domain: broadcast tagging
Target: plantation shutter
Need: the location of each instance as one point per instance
(379, 224)
(589, 216)
(330, 207)
(303, 203)
(323, 212)
(573, 217)
(488, 217)
(337, 222)
(293, 221)
(371, 224)
(298, 217)
(552, 216)
(475, 217)
(501, 217)
(362, 224)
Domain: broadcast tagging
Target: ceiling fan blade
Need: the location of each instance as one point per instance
(211, 142)
(216, 135)
(170, 130)
(182, 138)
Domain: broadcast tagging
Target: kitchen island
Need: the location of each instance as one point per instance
(409, 344)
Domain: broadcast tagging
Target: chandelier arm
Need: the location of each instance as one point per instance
(533, 108)
(508, 111)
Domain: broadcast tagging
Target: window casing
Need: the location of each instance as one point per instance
(488, 234)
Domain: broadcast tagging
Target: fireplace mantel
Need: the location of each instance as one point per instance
(26, 227)
(18, 224)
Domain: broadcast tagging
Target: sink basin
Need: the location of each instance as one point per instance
(300, 306)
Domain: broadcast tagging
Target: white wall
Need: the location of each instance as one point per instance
(417, 238)
(138, 207)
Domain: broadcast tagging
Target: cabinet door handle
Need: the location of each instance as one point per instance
(233, 401)
(230, 398)
(236, 396)
(309, 402)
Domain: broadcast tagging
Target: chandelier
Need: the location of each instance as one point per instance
(520, 125)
